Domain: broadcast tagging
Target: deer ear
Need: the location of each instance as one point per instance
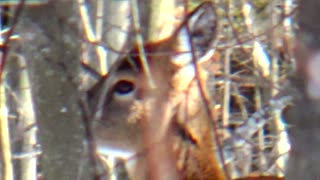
(198, 30)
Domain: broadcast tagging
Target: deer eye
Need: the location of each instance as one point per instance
(124, 87)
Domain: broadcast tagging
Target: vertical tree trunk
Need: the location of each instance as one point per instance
(303, 116)
(118, 24)
(49, 41)
(161, 21)
(23, 133)
(6, 156)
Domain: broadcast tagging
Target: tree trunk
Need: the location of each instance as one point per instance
(303, 116)
(50, 43)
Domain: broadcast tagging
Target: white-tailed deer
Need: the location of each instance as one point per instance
(164, 127)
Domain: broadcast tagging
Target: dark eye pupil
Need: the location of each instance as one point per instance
(124, 87)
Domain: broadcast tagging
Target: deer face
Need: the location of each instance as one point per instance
(132, 116)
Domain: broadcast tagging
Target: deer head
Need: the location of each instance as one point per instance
(167, 120)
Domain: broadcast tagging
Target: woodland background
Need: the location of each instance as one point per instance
(253, 59)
